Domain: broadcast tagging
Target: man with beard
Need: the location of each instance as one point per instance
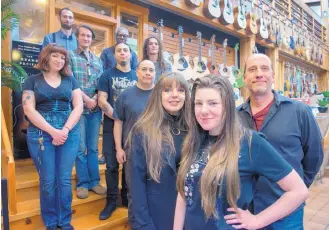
(289, 126)
(64, 37)
(108, 57)
(111, 83)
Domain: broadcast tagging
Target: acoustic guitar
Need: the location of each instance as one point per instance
(292, 43)
(261, 22)
(212, 65)
(222, 68)
(285, 37)
(211, 8)
(278, 35)
(297, 45)
(227, 16)
(316, 58)
(166, 55)
(308, 49)
(321, 57)
(193, 3)
(240, 21)
(181, 63)
(252, 20)
(200, 63)
(236, 71)
(271, 31)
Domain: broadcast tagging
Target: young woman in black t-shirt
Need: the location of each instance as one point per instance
(52, 102)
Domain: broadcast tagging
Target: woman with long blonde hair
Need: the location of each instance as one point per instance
(221, 162)
(154, 153)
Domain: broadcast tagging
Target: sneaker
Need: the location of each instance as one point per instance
(107, 211)
(99, 189)
(101, 160)
(82, 193)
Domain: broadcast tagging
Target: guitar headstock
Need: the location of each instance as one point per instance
(213, 39)
(225, 43)
(198, 35)
(160, 23)
(236, 47)
(180, 29)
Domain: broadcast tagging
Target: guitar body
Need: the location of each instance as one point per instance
(278, 39)
(180, 63)
(292, 43)
(227, 16)
(200, 67)
(263, 32)
(193, 3)
(168, 58)
(224, 71)
(240, 21)
(212, 68)
(308, 53)
(252, 27)
(211, 8)
(271, 34)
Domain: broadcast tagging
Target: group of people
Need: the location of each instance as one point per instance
(191, 160)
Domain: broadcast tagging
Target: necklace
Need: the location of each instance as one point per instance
(175, 131)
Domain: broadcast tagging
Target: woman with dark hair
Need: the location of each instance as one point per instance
(221, 162)
(52, 101)
(154, 152)
(153, 51)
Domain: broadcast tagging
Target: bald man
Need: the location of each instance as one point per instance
(287, 125)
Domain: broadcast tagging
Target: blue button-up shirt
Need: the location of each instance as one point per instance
(68, 42)
(292, 130)
(109, 61)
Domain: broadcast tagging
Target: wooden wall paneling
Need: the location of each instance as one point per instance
(171, 44)
(323, 81)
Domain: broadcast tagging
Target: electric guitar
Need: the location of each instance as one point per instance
(227, 16)
(263, 32)
(193, 3)
(240, 21)
(252, 20)
(211, 8)
(212, 65)
(181, 63)
(200, 63)
(222, 69)
(166, 55)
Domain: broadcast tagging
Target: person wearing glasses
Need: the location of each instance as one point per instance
(87, 68)
(52, 101)
(64, 36)
(111, 84)
(107, 56)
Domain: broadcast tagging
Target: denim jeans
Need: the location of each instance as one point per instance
(112, 169)
(86, 163)
(54, 165)
(292, 222)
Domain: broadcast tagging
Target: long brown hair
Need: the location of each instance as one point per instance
(160, 60)
(44, 57)
(155, 124)
(223, 154)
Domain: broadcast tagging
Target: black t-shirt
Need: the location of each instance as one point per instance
(130, 104)
(49, 98)
(113, 82)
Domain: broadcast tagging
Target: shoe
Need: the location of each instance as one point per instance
(51, 227)
(99, 189)
(124, 201)
(82, 193)
(107, 211)
(101, 160)
(67, 227)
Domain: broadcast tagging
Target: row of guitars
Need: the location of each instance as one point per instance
(197, 67)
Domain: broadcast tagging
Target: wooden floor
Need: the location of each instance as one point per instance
(85, 211)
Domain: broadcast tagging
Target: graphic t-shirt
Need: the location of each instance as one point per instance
(113, 82)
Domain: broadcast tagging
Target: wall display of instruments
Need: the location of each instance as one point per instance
(299, 82)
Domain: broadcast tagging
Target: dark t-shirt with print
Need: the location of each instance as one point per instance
(130, 104)
(252, 163)
(113, 82)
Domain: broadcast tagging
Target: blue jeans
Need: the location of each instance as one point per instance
(292, 222)
(86, 163)
(54, 165)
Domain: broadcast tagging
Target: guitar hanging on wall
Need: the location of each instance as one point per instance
(222, 69)
(166, 55)
(211, 8)
(212, 65)
(263, 32)
(193, 3)
(227, 16)
(200, 63)
(252, 20)
(240, 21)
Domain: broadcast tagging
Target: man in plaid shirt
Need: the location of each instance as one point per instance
(87, 68)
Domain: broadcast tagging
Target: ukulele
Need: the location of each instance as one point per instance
(308, 49)
(270, 28)
(212, 65)
(200, 63)
(285, 37)
(263, 32)
(193, 3)
(321, 57)
(222, 69)
(252, 20)
(278, 35)
(180, 62)
(166, 55)
(316, 58)
(240, 21)
(211, 8)
(297, 46)
(227, 16)
(292, 43)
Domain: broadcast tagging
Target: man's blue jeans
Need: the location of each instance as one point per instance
(292, 222)
(54, 165)
(86, 163)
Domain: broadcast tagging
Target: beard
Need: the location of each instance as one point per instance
(65, 26)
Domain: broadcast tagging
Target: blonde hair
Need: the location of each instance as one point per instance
(155, 124)
(223, 154)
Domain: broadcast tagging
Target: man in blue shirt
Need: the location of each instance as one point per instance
(289, 126)
(64, 36)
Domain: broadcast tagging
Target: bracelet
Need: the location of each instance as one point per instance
(67, 128)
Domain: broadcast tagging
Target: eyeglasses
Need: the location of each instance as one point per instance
(122, 35)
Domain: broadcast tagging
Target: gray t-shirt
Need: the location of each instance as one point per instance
(130, 104)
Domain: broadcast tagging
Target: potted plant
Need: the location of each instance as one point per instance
(326, 95)
(323, 105)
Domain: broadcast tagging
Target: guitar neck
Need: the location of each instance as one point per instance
(212, 55)
(199, 50)
(236, 59)
(180, 45)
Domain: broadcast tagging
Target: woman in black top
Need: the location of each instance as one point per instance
(52, 102)
(154, 152)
